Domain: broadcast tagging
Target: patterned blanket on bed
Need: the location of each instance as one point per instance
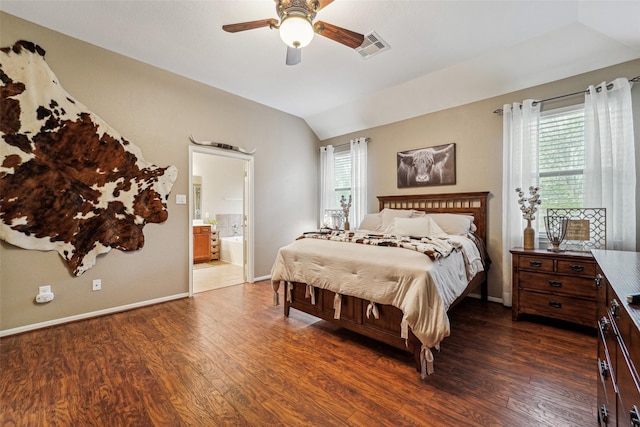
(433, 247)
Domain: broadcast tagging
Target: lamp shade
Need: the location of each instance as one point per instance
(296, 31)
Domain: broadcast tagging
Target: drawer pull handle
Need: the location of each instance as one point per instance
(604, 369)
(634, 416)
(604, 325)
(535, 263)
(555, 283)
(598, 280)
(555, 304)
(603, 414)
(615, 307)
(576, 267)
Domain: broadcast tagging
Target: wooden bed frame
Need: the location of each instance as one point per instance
(386, 328)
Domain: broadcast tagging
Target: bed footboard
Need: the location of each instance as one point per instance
(353, 314)
(386, 328)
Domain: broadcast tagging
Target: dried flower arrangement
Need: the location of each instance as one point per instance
(529, 206)
(346, 206)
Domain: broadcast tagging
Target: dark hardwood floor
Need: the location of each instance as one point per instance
(229, 357)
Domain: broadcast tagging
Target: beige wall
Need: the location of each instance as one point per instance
(477, 132)
(157, 111)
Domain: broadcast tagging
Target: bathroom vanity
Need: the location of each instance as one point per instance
(201, 243)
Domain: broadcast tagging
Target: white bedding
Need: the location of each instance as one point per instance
(423, 289)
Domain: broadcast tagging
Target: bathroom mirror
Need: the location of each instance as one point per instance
(197, 197)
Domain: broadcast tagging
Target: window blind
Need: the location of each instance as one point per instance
(342, 173)
(561, 157)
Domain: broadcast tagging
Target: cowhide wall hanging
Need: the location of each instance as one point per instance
(68, 181)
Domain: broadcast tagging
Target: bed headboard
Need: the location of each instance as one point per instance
(458, 203)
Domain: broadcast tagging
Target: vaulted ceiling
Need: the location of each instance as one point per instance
(442, 53)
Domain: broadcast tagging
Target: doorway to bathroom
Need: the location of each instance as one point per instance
(220, 218)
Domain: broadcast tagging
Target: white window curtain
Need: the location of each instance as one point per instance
(358, 149)
(327, 181)
(520, 169)
(610, 175)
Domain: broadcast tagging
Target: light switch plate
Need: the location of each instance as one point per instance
(181, 199)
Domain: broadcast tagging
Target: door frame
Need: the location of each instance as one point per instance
(248, 227)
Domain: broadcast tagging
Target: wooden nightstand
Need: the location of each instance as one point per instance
(558, 285)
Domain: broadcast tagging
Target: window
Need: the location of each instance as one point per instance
(561, 158)
(338, 184)
(342, 171)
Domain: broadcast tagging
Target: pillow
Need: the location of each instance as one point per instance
(415, 227)
(387, 216)
(370, 222)
(454, 224)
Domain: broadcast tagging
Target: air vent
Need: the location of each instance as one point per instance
(372, 45)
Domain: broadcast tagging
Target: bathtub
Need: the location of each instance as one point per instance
(231, 250)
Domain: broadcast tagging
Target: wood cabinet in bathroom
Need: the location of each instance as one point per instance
(201, 243)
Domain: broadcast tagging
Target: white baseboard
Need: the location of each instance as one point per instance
(496, 299)
(89, 315)
(258, 279)
(489, 298)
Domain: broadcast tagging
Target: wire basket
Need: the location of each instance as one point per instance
(556, 227)
(333, 218)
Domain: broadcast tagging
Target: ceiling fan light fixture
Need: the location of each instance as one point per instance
(296, 31)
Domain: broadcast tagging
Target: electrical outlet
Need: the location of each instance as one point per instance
(97, 284)
(44, 294)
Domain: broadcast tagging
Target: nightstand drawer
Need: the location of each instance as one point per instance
(559, 307)
(535, 263)
(587, 269)
(551, 283)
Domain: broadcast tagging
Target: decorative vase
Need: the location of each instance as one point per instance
(529, 236)
(346, 225)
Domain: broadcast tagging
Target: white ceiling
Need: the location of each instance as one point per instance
(443, 53)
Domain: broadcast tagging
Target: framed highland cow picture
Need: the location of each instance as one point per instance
(427, 166)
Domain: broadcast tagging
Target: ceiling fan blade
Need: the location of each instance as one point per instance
(340, 35)
(294, 55)
(323, 3)
(243, 26)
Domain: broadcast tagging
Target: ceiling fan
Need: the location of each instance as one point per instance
(297, 27)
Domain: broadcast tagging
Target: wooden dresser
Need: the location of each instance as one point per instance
(558, 285)
(617, 276)
(201, 243)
